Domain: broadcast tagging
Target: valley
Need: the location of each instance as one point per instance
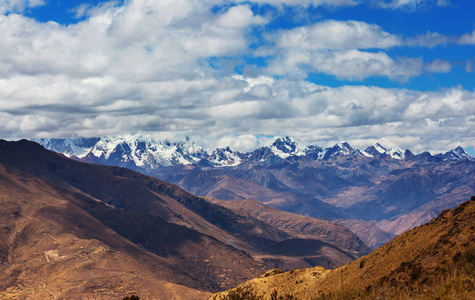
(387, 190)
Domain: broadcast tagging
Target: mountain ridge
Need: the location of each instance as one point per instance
(152, 153)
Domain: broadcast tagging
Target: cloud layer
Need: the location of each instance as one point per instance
(167, 68)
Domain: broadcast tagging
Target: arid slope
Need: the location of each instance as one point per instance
(436, 261)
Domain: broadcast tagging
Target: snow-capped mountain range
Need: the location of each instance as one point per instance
(149, 153)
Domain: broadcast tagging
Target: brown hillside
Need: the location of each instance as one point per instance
(51, 248)
(433, 261)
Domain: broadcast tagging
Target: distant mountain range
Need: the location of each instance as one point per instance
(148, 153)
(392, 189)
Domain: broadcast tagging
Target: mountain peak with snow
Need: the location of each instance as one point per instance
(457, 153)
(285, 147)
(143, 152)
(377, 150)
(341, 149)
(225, 157)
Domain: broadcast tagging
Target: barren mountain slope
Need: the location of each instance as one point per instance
(436, 260)
(49, 247)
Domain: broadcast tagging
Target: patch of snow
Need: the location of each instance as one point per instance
(366, 154)
(396, 153)
(379, 148)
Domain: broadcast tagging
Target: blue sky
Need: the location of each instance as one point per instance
(399, 72)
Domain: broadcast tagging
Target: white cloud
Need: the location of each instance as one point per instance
(439, 66)
(18, 6)
(305, 3)
(433, 39)
(430, 40)
(444, 3)
(245, 142)
(408, 4)
(214, 112)
(469, 67)
(349, 51)
(337, 35)
(142, 68)
(467, 39)
(145, 40)
(334, 47)
(359, 65)
(240, 16)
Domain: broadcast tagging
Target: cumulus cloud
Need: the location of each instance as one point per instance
(359, 65)
(228, 112)
(337, 35)
(143, 41)
(336, 48)
(245, 142)
(239, 16)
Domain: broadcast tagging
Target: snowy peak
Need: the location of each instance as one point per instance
(286, 147)
(138, 152)
(396, 153)
(69, 147)
(314, 152)
(377, 150)
(188, 152)
(455, 154)
(143, 152)
(225, 157)
(341, 149)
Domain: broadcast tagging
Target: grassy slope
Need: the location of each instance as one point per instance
(436, 260)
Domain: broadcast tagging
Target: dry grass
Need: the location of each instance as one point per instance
(433, 261)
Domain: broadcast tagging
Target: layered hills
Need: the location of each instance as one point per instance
(386, 190)
(433, 261)
(73, 229)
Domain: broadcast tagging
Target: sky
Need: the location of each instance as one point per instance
(240, 73)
